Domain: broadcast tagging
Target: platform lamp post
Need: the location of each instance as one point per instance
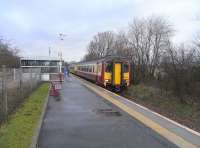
(60, 63)
(61, 37)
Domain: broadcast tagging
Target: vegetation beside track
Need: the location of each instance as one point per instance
(165, 104)
(19, 130)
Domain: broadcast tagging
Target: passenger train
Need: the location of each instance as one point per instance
(110, 72)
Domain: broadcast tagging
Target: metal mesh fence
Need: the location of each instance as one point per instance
(15, 86)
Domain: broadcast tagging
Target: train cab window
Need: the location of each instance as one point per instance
(109, 67)
(125, 68)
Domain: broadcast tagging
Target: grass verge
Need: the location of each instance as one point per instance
(165, 104)
(19, 130)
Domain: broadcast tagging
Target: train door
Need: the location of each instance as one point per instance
(126, 73)
(99, 72)
(117, 73)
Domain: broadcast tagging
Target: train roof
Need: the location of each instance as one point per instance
(108, 58)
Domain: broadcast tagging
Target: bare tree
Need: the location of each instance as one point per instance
(181, 71)
(197, 47)
(121, 46)
(101, 45)
(148, 38)
(8, 55)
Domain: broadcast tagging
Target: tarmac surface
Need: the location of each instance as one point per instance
(82, 119)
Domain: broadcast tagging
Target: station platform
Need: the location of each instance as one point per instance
(88, 116)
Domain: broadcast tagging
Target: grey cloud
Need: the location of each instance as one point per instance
(38, 22)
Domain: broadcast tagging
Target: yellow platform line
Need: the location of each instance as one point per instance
(172, 137)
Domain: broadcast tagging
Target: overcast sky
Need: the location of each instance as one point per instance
(33, 25)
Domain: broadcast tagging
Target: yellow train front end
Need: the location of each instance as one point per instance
(117, 75)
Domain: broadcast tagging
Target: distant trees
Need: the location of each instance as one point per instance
(143, 44)
(181, 72)
(197, 48)
(148, 40)
(101, 45)
(8, 55)
(122, 45)
(154, 57)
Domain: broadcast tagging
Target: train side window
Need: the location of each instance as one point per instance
(125, 68)
(99, 68)
(109, 67)
(89, 68)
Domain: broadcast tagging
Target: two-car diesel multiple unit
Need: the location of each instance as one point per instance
(111, 72)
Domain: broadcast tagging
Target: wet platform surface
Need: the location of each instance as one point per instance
(82, 119)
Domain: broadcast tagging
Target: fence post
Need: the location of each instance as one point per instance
(31, 79)
(14, 74)
(4, 93)
(20, 83)
(40, 75)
